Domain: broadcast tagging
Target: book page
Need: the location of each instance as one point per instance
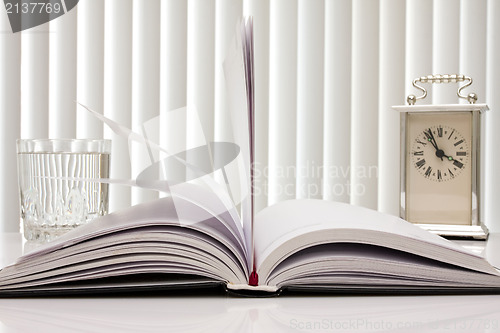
(238, 72)
(293, 225)
(146, 238)
(367, 266)
(198, 214)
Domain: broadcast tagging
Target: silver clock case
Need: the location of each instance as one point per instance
(476, 229)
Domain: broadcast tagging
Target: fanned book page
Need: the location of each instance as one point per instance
(204, 233)
(239, 75)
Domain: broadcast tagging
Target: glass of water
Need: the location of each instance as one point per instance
(58, 184)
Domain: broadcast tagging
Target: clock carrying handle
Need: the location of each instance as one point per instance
(438, 78)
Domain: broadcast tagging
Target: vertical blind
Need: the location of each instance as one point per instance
(327, 74)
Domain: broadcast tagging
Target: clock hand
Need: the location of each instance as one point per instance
(429, 138)
(439, 152)
(432, 140)
(449, 158)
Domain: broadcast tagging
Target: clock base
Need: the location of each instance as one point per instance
(477, 232)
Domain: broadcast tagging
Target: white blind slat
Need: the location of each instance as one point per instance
(173, 58)
(173, 74)
(200, 68)
(391, 92)
(364, 101)
(62, 88)
(337, 106)
(35, 82)
(282, 101)
(227, 13)
(10, 111)
(90, 70)
(310, 71)
(445, 48)
(418, 44)
(145, 85)
(473, 38)
(118, 92)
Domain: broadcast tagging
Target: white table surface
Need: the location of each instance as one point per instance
(223, 313)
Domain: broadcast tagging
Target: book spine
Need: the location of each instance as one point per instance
(253, 279)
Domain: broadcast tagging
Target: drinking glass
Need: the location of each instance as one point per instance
(59, 184)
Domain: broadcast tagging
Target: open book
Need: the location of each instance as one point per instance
(204, 232)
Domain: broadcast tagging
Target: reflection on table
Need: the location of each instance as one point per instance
(228, 314)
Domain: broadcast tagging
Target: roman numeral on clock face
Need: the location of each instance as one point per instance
(458, 164)
(420, 163)
(421, 142)
(428, 171)
(451, 134)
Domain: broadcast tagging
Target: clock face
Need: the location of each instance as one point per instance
(440, 153)
(438, 167)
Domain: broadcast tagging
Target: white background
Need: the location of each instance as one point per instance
(327, 73)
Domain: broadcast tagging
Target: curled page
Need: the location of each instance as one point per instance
(216, 168)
